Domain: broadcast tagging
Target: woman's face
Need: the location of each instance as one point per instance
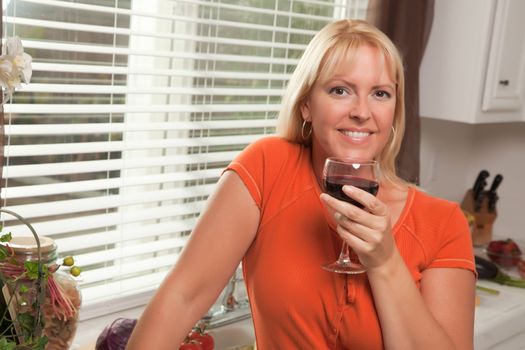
(353, 110)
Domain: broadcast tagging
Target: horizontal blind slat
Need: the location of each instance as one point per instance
(146, 197)
(89, 166)
(130, 268)
(32, 191)
(60, 226)
(42, 108)
(122, 146)
(213, 22)
(109, 237)
(112, 50)
(103, 128)
(191, 73)
(157, 35)
(121, 289)
(150, 90)
(128, 251)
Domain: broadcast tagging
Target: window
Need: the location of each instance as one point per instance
(133, 110)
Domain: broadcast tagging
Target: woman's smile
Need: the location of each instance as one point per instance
(356, 136)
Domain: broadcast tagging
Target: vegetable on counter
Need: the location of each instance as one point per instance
(490, 271)
(116, 335)
(505, 253)
(198, 339)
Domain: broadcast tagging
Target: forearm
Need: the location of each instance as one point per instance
(406, 321)
(166, 321)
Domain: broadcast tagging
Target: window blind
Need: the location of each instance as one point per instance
(134, 109)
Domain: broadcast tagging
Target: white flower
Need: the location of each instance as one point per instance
(15, 67)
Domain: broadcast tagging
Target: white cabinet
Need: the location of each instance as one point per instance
(473, 70)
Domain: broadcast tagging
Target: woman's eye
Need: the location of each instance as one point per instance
(382, 94)
(338, 91)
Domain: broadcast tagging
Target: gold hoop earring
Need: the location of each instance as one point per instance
(307, 136)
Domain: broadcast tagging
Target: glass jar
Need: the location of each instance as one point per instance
(62, 299)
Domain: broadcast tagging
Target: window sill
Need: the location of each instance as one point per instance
(231, 336)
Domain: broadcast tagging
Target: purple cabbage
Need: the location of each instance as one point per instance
(116, 335)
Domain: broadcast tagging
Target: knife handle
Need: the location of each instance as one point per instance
(478, 184)
(497, 180)
(477, 190)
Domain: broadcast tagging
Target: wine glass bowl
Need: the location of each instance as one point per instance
(361, 173)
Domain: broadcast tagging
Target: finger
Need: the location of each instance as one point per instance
(357, 244)
(369, 201)
(332, 203)
(350, 211)
(357, 229)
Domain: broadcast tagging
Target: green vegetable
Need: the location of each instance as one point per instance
(487, 290)
(502, 278)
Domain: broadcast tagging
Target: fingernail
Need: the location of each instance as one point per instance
(348, 188)
(338, 215)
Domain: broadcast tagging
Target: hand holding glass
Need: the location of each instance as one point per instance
(359, 173)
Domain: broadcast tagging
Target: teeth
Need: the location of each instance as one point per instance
(356, 133)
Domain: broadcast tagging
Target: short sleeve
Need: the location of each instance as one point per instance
(456, 249)
(259, 165)
(248, 165)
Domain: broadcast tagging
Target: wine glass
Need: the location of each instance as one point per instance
(360, 173)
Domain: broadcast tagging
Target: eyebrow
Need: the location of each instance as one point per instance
(391, 86)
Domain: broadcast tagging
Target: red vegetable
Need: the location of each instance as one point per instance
(505, 253)
(205, 339)
(116, 335)
(190, 345)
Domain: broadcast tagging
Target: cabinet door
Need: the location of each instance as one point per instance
(505, 78)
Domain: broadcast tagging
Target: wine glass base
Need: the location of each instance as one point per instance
(347, 267)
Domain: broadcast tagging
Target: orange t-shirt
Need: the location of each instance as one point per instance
(295, 303)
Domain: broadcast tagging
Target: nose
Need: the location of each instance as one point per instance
(360, 110)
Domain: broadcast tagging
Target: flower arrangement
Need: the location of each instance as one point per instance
(15, 67)
(39, 306)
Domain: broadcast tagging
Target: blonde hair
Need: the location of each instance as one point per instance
(335, 41)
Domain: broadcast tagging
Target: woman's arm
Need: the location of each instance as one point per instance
(218, 242)
(439, 316)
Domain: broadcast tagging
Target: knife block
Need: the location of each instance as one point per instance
(483, 219)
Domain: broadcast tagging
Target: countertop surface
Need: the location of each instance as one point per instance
(500, 319)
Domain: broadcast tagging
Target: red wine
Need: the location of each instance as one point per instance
(334, 187)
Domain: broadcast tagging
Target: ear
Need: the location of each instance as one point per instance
(305, 111)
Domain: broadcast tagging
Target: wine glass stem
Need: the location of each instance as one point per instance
(344, 256)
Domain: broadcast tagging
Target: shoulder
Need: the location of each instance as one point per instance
(431, 205)
(274, 143)
(273, 149)
(264, 163)
(433, 215)
(436, 216)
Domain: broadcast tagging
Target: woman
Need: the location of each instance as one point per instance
(344, 99)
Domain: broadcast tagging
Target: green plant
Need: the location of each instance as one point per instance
(31, 298)
(23, 290)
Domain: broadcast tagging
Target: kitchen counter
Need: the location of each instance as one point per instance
(500, 319)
